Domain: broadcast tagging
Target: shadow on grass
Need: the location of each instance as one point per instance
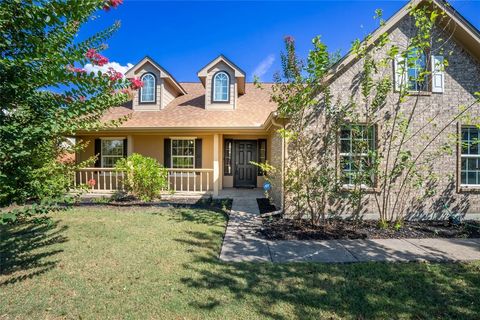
(314, 291)
(20, 257)
(200, 212)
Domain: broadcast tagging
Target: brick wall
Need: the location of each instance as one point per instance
(462, 79)
(276, 152)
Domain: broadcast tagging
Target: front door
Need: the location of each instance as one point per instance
(245, 172)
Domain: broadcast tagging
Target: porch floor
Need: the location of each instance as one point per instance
(232, 193)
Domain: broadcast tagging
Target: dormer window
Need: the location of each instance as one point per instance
(221, 84)
(147, 92)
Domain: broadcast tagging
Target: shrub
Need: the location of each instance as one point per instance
(144, 176)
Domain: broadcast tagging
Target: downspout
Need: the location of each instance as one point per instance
(283, 158)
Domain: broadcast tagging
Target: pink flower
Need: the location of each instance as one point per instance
(136, 83)
(82, 98)
(112, 4)
(96, 57)
(114, 75)
(100, 60)
(74, 69)
(91, 183)
(289, 39)
(91, 53)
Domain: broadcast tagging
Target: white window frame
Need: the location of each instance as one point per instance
(215, 87)
(468, 156)
(142, 100)
(183, 156)
(102, 162)
(418, 69)
(351, 155)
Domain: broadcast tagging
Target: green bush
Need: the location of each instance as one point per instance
(144, 176)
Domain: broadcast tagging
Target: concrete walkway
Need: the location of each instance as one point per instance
(242, 242)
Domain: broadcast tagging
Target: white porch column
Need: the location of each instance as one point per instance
(129, 145)
(216, 164)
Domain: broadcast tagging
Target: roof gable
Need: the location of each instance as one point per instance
(164, 74)
(463, 31)
(238, 73)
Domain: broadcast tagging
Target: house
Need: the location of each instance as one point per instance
(436, 98)
(206, 133)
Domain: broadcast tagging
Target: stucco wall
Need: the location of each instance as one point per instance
(152, 146)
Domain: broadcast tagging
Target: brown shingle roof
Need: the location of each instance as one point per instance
(188, 111)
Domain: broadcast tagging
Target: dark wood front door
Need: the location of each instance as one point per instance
(245, 172)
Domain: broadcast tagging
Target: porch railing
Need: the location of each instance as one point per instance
(190, 180)
(110, 180)
(99, 179)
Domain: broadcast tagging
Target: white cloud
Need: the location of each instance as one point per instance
(264, 66)
(115, 65)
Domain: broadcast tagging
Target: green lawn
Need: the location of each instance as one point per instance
(139, 263)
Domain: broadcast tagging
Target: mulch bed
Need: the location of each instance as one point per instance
(265, 206)
(289, 229)
(188, 202)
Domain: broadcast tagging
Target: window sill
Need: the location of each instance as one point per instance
(419, 93)
(366, 189)
(469, 189)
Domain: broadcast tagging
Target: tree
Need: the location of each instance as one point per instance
(310, 174)
(46, 95)
(394, 167)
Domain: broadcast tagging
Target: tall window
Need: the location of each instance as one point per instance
(357, 153)
(470, 157)
(416, 71)
(183, 153)
(147, 92)
(220, 87)
(112, 151)
(227, 158)
(262, 154)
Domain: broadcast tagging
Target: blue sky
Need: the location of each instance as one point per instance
(183, 36)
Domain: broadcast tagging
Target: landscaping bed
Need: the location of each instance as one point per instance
(131, 201)
(265, 206)
(290, 229)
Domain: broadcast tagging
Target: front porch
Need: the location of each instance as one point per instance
(197, 163)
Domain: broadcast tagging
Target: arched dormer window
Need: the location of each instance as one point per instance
(148, 92)
(221, 85)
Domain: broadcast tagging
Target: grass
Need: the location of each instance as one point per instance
(144, 263)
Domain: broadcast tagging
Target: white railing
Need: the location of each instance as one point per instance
(99, 179)
(190, 180)
(111, 180)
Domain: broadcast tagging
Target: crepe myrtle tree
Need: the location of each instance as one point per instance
(46, 94)
(310, 182)
(388, 167)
